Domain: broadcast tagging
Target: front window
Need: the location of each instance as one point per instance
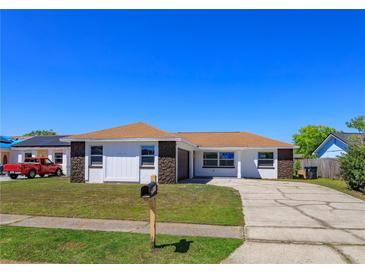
(210, 159)
(147, 155)
(58, 159)
(226, 159)
(96, 156)
(221, 159)
(265, 159)
(27, 155)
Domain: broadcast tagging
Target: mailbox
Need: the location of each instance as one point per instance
(149, 191)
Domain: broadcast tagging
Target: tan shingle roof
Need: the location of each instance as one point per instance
(135, 130)
(230, 139)
(203, 139)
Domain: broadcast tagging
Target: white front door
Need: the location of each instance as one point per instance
(122, 162)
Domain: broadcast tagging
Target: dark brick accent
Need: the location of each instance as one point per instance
(77, 162)
(167, 162)
(285, 163)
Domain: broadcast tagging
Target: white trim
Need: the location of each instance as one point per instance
(325, 140)
(270, 159)
(51, 155)
(239, 164)
(242, 148)
(54, 157)
(150, 156)
(191, 164)
(39, 148)
(170, 139)
(218, 159)
(98, 155)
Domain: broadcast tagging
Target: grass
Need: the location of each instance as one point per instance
(204, 204)
(334, 184)
(40, 245)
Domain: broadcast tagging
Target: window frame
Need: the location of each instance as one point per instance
(218, 159)
(222, 159)
(55, 158)
(25, 153)
(261, 166)
(152, 164)
(96, 155)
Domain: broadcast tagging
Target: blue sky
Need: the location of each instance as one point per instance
(266, 72)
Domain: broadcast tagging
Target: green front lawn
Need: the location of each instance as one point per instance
(73, 246)
(204, 204)
(334, 184)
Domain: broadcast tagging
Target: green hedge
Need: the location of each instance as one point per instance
(352, 167)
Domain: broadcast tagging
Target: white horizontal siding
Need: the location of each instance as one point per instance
(250, 161)
(121, 163)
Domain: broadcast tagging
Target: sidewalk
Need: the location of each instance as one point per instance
(179, 229)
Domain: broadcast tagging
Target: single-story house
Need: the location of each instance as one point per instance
(135, 152)
(336, 144)
(5, 148)
(43, 146)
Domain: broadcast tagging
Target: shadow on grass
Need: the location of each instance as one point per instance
(180, 247)
(196, 180)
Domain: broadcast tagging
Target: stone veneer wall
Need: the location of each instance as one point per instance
(167, 162)
(77, 162)
(285, 163)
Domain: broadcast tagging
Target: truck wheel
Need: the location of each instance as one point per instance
(13, 176)
(31, 174)
(58, 172)
(41, 175)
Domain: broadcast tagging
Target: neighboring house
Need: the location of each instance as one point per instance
(134, 152)
(43, 146)
(5, 148)
(336, 144)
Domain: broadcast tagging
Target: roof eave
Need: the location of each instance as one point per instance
(41, 146)
(246, 148)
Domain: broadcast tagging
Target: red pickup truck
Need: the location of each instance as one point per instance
(33, 166)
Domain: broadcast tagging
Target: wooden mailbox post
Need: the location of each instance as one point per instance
(152, 203)
(149, 192)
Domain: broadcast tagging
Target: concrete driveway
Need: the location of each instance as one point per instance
(289, 222)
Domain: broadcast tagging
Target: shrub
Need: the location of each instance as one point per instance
(296, 167)
(352, 167)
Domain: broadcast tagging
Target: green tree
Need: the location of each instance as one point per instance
(358, 123)
(352, 167)
(309, 137)
(40, 132)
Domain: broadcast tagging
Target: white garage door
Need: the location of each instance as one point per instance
(122, 162)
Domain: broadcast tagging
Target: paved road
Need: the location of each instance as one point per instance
(290, 222)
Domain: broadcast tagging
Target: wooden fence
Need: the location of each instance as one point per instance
(326, 167)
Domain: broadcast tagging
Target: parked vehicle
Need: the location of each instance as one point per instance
(33, 166)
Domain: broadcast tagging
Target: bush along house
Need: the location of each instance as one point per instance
(135, 152)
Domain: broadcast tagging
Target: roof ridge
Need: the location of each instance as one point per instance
(342, 132)
(139, 127)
